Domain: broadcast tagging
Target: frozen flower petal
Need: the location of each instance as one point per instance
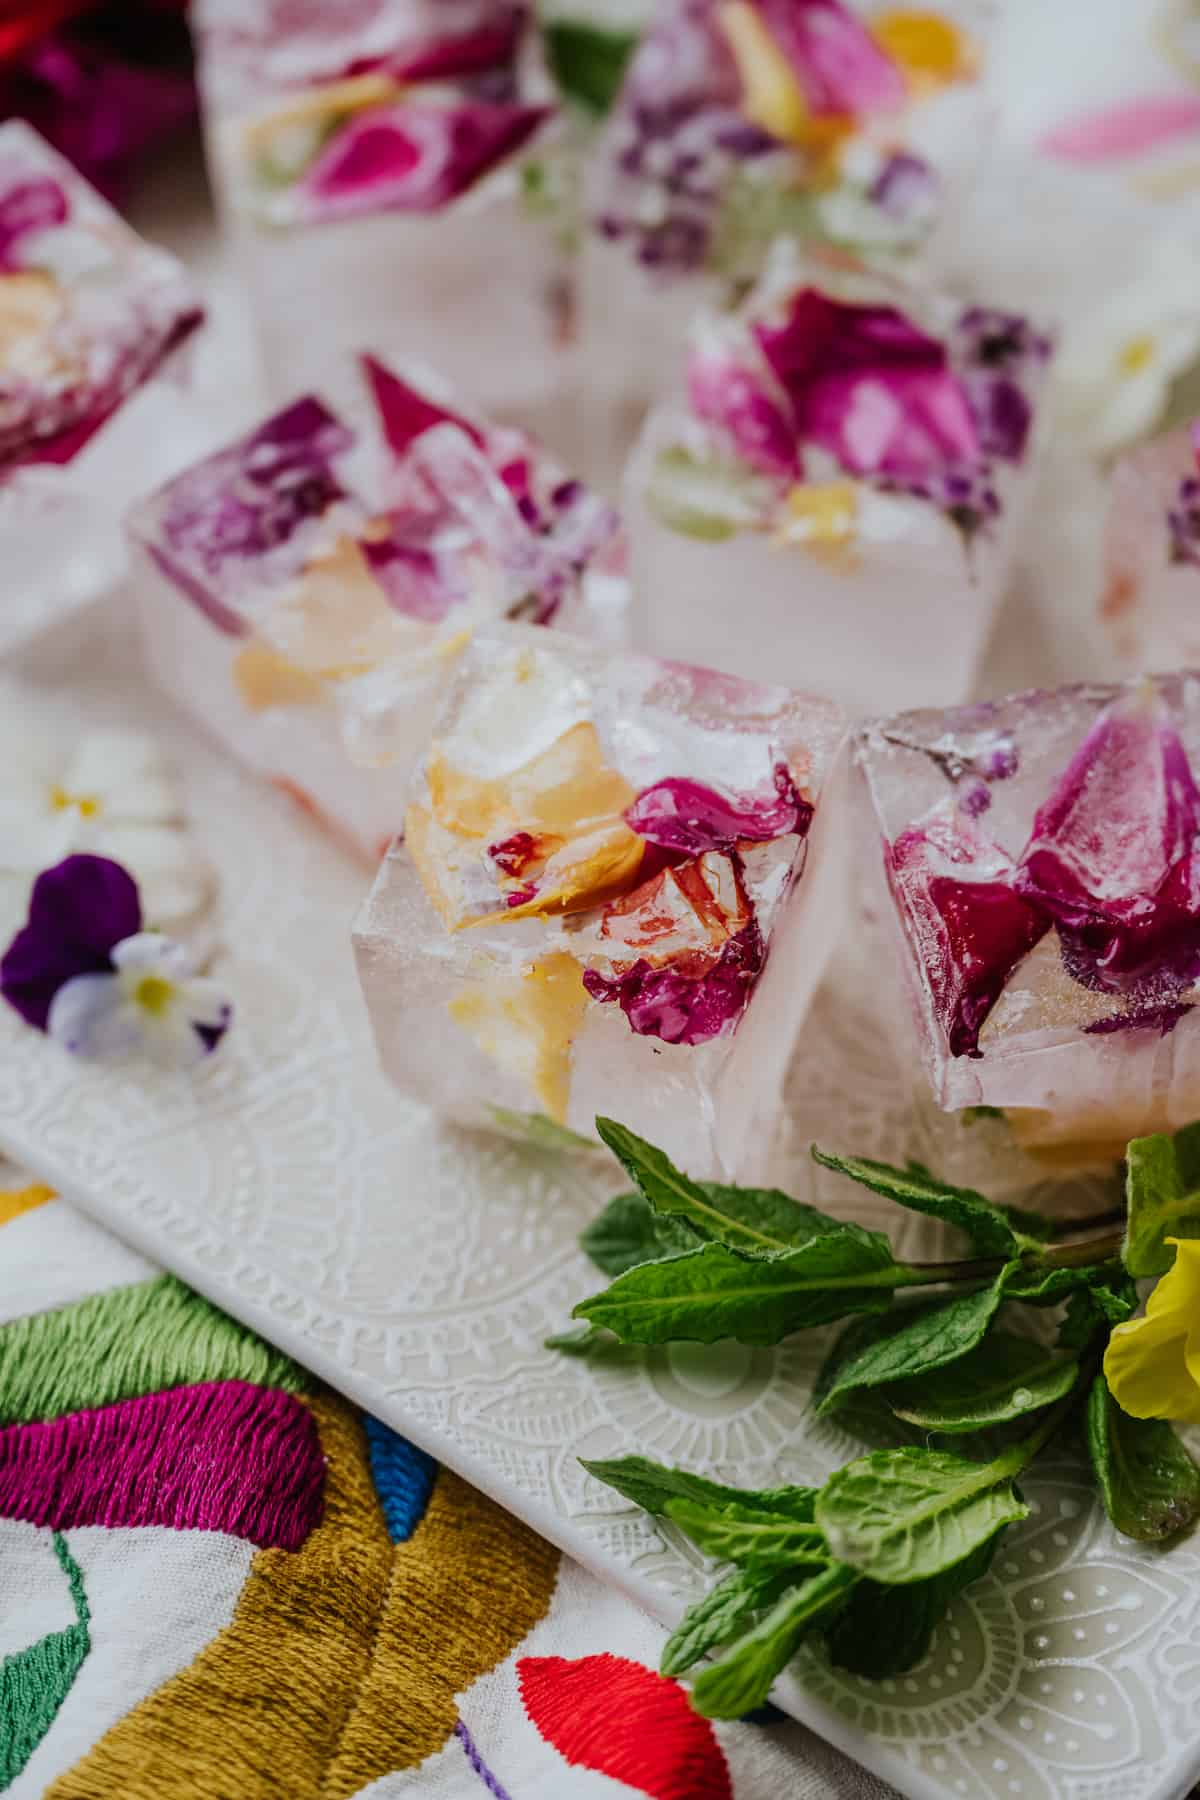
(404, 411)
(684, 815)
(680, 1006)
(728, 392)
(35, 204)
(840, 67)
(414, 157)
(78, 912)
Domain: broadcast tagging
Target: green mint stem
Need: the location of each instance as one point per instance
(1077, 1254)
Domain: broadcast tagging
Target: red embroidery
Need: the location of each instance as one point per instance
(621, 1719)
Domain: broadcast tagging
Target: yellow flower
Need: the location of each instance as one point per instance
(1152, 1364)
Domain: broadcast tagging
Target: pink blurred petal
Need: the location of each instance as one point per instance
(1126, 130)
(840, 67)
(493, 44)
(414, 157)
(404, 412)
(37, 204)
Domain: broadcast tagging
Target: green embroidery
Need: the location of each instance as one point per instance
(35, 1682)
(132, 1340)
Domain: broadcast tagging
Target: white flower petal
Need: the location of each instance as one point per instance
(206, 1003)
(171, 1040)
(175, 880)
(92, 1017)
(36, 837)
(128, 775)
(149, 953)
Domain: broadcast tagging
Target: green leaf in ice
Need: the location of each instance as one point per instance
(903, 1515)
(1003, 1378)
(1162, 1188)
(629, 1232)
(1149, 1483)
(759, 1221)
(652, 1486)
(909, 1342)
(587, 61)
(708, 500)
(714, 1292)
(749, 1536)
(741, 1680)
(887, 1630)
(724, 1613)
(914, 1187)
(540, 1130)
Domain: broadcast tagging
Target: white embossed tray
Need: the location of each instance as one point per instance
(419, 1269)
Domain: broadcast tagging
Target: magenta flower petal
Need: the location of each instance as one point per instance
(869, 387)
(78, 911)
(36, 204)
(739, 403)
(682, 1007)
(404, 412)
(840, 67)
(969, 931)
(414, 156)
(683, 815)
(1112, 856)
(491, 44)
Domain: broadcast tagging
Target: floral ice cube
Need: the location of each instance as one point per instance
(89, 312)
(306, 590)
(744, 121)
(837, 501)
(1151, 601)
(615, 893)
(1041, 856)
(381, 163)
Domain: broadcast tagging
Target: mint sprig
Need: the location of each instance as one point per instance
(933, 1360)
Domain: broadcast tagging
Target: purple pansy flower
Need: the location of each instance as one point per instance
(83, 971)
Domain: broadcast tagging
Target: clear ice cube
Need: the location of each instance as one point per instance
(306, 590)
(90, 313)
(1033, 859)
(388, 170)
(837, 502)
(617, 887)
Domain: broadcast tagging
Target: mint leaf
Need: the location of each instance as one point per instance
(1035, 1227)
(629, 1232)
(1094, 1308)
(540, 1130)
(1162, 1188)
(652, 1486)
(887, 1630)
(741, 1680)
(911, 1341)
(903, 1515)
(714, 1292)
(749, 1537)
(588, 1341)
(918, 1190)
(1149, 1484)
(1046, 1287)
(1003, 1378)
(587, 61)
(725, 1611)
(757, 1221)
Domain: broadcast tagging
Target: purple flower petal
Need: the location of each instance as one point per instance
(247, 501)
(1112, 857)
(1162, 1019)
(869, 387)
(414, 156)
(969, 932)
(491, 44)
(840, 67)
(739, 402)
(682, 1007)
(905, 187)
(683, 815)
(78, 911)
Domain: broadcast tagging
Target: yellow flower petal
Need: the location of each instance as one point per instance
(929, 49)
(264, 679)
(564, 791)
(30, 302)
(821, 514)
(320, 106)
(527, 1024)
(15, 1201)
(583, 874)
(771, 96)
(1146, 1369)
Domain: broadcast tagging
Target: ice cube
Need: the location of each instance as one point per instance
(837, 503)
(1043, 893)
(744, 122)
(306, 590)
(618, 884)
(1151, 600)
(386, 170)
(89, 313)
